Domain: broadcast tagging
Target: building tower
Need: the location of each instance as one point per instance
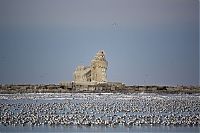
(99, 67)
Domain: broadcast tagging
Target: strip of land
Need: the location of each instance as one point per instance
(53, 88)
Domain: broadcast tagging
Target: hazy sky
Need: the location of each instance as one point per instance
(146, 41)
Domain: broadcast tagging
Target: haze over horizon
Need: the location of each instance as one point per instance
(147, 42)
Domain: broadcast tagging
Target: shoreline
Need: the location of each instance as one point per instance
(53, 88)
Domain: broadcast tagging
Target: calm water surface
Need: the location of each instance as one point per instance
(134, 129)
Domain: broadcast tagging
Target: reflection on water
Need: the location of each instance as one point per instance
(134, 129)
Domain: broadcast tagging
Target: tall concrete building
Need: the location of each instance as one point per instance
(92, 77)
(95, 73)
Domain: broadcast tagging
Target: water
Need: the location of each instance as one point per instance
(134, 129)
(70, 104)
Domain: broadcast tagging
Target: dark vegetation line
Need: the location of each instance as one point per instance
(53, 88)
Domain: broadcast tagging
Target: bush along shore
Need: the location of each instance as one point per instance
(53, 88)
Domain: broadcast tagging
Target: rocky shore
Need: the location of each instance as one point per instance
(53, 88)
(104, 109)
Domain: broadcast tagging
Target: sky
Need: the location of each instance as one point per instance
(147, 42)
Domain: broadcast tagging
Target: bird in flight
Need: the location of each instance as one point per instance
(114, 24)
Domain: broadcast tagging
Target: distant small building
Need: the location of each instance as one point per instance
(93, 77)
(95, 73)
